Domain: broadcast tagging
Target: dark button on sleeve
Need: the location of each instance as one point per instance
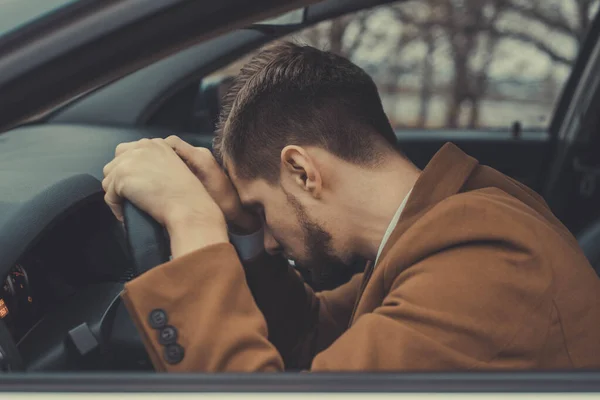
(167, 335)
(158, 318)
(173, 353)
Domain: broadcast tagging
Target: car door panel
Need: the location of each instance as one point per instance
(520, 158)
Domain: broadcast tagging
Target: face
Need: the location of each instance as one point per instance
(319, 255)
(292, 230)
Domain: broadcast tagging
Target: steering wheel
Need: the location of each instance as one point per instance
(93, 330)
(146, 239)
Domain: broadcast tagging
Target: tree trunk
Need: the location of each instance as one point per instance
(474, 116)
(427, 82)
(459, 91)
(336, 35)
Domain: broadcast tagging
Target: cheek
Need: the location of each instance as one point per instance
(285, 229)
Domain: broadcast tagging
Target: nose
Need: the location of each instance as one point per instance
(271, 245)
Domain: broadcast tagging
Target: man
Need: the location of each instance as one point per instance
(469, 269)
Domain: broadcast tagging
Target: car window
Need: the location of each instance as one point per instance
(468, 64)
(16, 13)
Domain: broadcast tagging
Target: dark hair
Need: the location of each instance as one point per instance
(295, 94)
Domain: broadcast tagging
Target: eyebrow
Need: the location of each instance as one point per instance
(250, 204)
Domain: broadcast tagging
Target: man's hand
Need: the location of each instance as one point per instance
(203, 164)
(153, 177)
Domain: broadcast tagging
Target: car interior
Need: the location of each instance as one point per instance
(66, 258)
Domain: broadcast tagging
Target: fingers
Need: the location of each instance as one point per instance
(112, 165)
(123, 147)
(108, 168)
(110, 171)
(199, 159)
(162, 143)
(183, 149)
(126, 162)
(112, 199)
(189, 153)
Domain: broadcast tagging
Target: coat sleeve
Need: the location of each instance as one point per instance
(263, 318)
(459, 308)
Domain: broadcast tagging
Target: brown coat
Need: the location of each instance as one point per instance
(478, 274)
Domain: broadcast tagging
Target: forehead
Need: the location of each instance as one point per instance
(249, 191)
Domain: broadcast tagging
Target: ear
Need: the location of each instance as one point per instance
(299, 167)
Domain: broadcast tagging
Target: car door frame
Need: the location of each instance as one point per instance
(499, 382)
(85, 45)
(571, 122)
(280, 383)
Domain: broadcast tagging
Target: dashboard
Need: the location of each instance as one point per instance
(64, 256)
(17, 307)
(84, 247)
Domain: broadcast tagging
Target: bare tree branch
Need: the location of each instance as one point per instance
(361, 20)
(536, 42)
(336, 34)
(534, 12)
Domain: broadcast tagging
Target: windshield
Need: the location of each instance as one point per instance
(16, 13)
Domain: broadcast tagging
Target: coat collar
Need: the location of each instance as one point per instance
(443, 177)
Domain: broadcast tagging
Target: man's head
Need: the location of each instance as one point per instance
(299, 129)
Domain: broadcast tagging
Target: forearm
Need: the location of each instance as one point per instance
(204, 283)
(206, 299)
(187, 233)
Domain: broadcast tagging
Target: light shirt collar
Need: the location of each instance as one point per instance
(392, 226)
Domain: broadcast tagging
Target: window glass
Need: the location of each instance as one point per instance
(469, 64)
(17, 13)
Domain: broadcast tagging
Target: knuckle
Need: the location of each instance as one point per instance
(124, 164)
(120, 173)
(134, 154)
(120, 148)
(204, 155)
(162, 143)
(204, 151)
(120, 185)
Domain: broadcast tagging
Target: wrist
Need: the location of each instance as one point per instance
(189, 232)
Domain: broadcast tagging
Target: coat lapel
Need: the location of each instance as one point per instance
(443, 177)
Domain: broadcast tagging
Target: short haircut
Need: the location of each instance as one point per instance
(296, 94)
